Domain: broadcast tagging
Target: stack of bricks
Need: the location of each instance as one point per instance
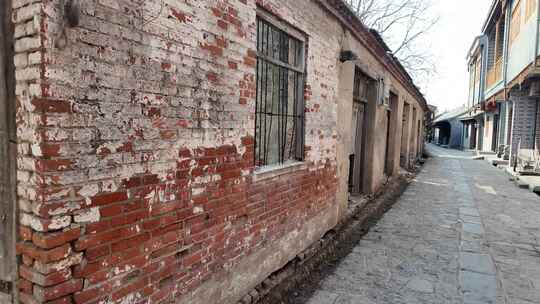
(135, 150)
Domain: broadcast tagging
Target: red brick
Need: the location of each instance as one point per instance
(48, 165)
(51, 279)
(55, 239)
(44, 256)
(64, 300)
(130, 288)
(89, 295)
(109, 198)
(25, 233)
(57, 291)
(24, 286)
(127, 243)
(52, 106)
(110, 211)
(97, 252)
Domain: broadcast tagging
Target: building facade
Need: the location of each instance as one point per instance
(449, 130)
(183, 151)
(504, 82)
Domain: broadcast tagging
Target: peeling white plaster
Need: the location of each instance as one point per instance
(198, 191)
(36, 150)
(91, 215)
(89, 191)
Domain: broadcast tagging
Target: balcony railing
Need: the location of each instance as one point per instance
(494, 74)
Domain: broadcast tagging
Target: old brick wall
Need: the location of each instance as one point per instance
(136, 180)
(372, 64)
(136, 149)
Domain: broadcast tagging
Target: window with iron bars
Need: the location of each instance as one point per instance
(279, 111)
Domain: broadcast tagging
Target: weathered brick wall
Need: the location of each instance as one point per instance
(135, 167)
(136, 149)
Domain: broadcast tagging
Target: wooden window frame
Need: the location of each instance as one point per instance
(530, 9)
(515, 22)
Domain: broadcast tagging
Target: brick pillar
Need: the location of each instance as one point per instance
(46, 227)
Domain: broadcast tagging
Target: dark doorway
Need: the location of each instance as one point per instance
(481, 135)
(363, 90)
(387, 168)
(391, 130)
(510, 122)
(474, 134)
(405, 130)
(445, 133)
(495, 139)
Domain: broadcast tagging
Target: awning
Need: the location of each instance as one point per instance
(468, 116)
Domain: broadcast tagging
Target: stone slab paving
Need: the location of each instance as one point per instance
(461, 233)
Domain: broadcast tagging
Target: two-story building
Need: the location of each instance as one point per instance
(504, 85)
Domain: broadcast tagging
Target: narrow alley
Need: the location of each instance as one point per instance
(461, 233)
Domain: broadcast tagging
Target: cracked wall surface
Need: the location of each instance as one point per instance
(136, 177)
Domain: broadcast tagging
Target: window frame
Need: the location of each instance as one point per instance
(515, 21)
(301, 69)
(530, 9)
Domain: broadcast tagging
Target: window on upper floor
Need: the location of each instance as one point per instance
(478, 71)
(471, 81)
(501, 32)
(492, 42)
(515, 22)
(531, 8)
(279, 108)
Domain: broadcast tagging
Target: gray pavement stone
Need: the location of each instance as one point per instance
(476, 262)
(421, 285)
(471, 219)
(476, 246)
(477, 287)
(446, 241)
(464, 211)
(473, 228)
(323, 297)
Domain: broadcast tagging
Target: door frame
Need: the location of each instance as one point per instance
(391, 134)
(358, 172)
(8, 150)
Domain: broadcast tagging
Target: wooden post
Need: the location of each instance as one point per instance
(7, 154)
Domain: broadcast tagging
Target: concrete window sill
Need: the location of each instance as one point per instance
(269, 172)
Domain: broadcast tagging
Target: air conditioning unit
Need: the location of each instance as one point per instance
(383, 92)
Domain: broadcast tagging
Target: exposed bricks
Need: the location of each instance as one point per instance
(136, 145)
(51, 240)
(56, 292)
(44, 256)
(47, 280)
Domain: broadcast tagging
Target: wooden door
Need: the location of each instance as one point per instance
(359, 151)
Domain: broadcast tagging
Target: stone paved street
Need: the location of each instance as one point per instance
(461, 233)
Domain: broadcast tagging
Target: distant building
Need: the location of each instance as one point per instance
(430, 117)
(448, 128)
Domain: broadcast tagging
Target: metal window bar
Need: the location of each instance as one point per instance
(279, 110)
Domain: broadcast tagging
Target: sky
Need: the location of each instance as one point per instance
(450, 41)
